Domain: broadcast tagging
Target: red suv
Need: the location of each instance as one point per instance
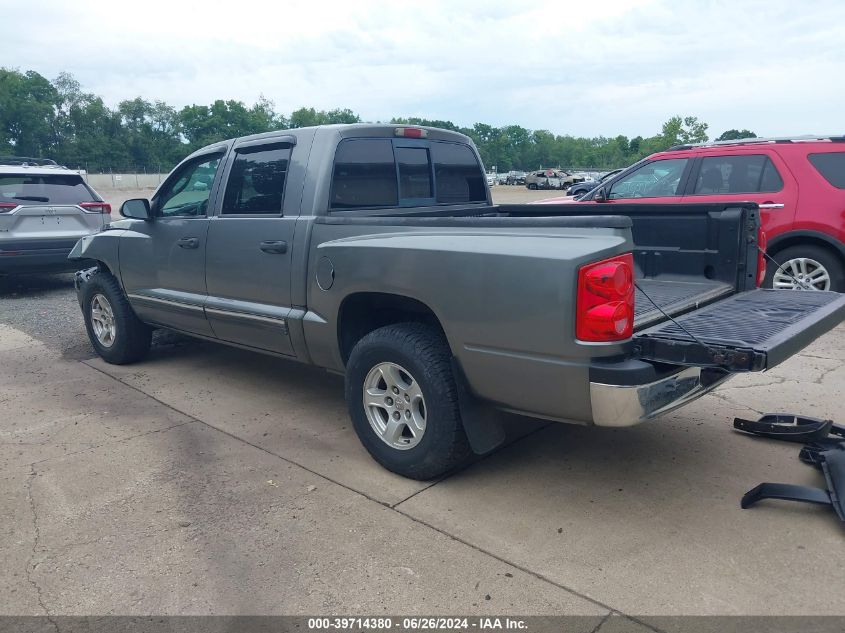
(799, 184)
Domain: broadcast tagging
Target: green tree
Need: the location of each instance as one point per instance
(28, 105)
(678, 131)
(88, 134)
(306, 117)
(61, 120)
(201, 125)
(733, 135)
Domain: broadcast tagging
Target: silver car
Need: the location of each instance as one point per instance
(44, 210)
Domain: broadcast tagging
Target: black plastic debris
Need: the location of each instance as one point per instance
(824, 448)
(787, 426)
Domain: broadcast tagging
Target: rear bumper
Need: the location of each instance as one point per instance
(47, 259)
(627, 405)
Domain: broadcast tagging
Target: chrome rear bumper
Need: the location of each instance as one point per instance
(627, 405)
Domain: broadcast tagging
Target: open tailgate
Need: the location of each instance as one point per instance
(751, 331)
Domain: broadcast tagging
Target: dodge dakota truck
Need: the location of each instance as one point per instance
(375, 251)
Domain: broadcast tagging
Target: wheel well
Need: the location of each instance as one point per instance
(364, 312)
(799, 240)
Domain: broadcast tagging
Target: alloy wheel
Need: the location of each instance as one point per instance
(395, 405)
(102, 320)
(801, 273)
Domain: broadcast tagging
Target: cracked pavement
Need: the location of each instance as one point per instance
(209, 480)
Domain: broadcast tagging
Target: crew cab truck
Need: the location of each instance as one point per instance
(375, 251)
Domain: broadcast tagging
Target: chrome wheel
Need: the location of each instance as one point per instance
(102, 320)
(395, 405)
(801, 273)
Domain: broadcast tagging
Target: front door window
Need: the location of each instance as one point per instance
(187, 193)
(657, 179)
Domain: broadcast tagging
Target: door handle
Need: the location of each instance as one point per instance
(188, 242)
(274, 246)
(771, 205)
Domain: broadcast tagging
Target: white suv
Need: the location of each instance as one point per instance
(44, 210)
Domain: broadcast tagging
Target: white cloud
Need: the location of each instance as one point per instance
(619, 66)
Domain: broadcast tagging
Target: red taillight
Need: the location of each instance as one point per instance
(410, 132)
(96, 207)
(762, 243)
(5, 207)
(605, 303)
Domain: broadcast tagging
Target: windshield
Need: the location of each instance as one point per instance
(38, 189)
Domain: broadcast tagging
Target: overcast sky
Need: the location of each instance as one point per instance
(589, 68)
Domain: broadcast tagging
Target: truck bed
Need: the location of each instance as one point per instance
(686, 256)
(673, 297)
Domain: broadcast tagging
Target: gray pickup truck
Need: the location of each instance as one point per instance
(375, 251)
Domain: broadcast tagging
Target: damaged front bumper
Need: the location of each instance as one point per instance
(627, 405)
(80, 278)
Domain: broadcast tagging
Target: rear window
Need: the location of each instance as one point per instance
(831, 166)
(414, 172)
(364, 174)
(457, 173)
(382, 173)
(53, 189)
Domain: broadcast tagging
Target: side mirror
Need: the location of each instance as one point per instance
(601, 195)
(137, 208)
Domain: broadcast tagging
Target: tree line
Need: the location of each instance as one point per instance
(59, 120)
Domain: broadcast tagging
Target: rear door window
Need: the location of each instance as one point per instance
(657, 179)
(751, 173)
(27, 189)
(364, 174)
(831, 166)
(257, 181)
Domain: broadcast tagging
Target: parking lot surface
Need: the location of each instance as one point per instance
(209, 480)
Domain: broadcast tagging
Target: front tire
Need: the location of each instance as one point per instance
(532, 187)
(814, 267)
(116, 333)
(403, 401)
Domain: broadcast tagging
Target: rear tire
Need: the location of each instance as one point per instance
(411, 423)
(816, 262)
(116, 333)
(532, 187)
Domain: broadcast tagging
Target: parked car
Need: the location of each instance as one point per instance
(579, 189)
(375, 251)
(44, 210)
(491, 179)
(550, 179)
(798, 183)
(516, 177)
